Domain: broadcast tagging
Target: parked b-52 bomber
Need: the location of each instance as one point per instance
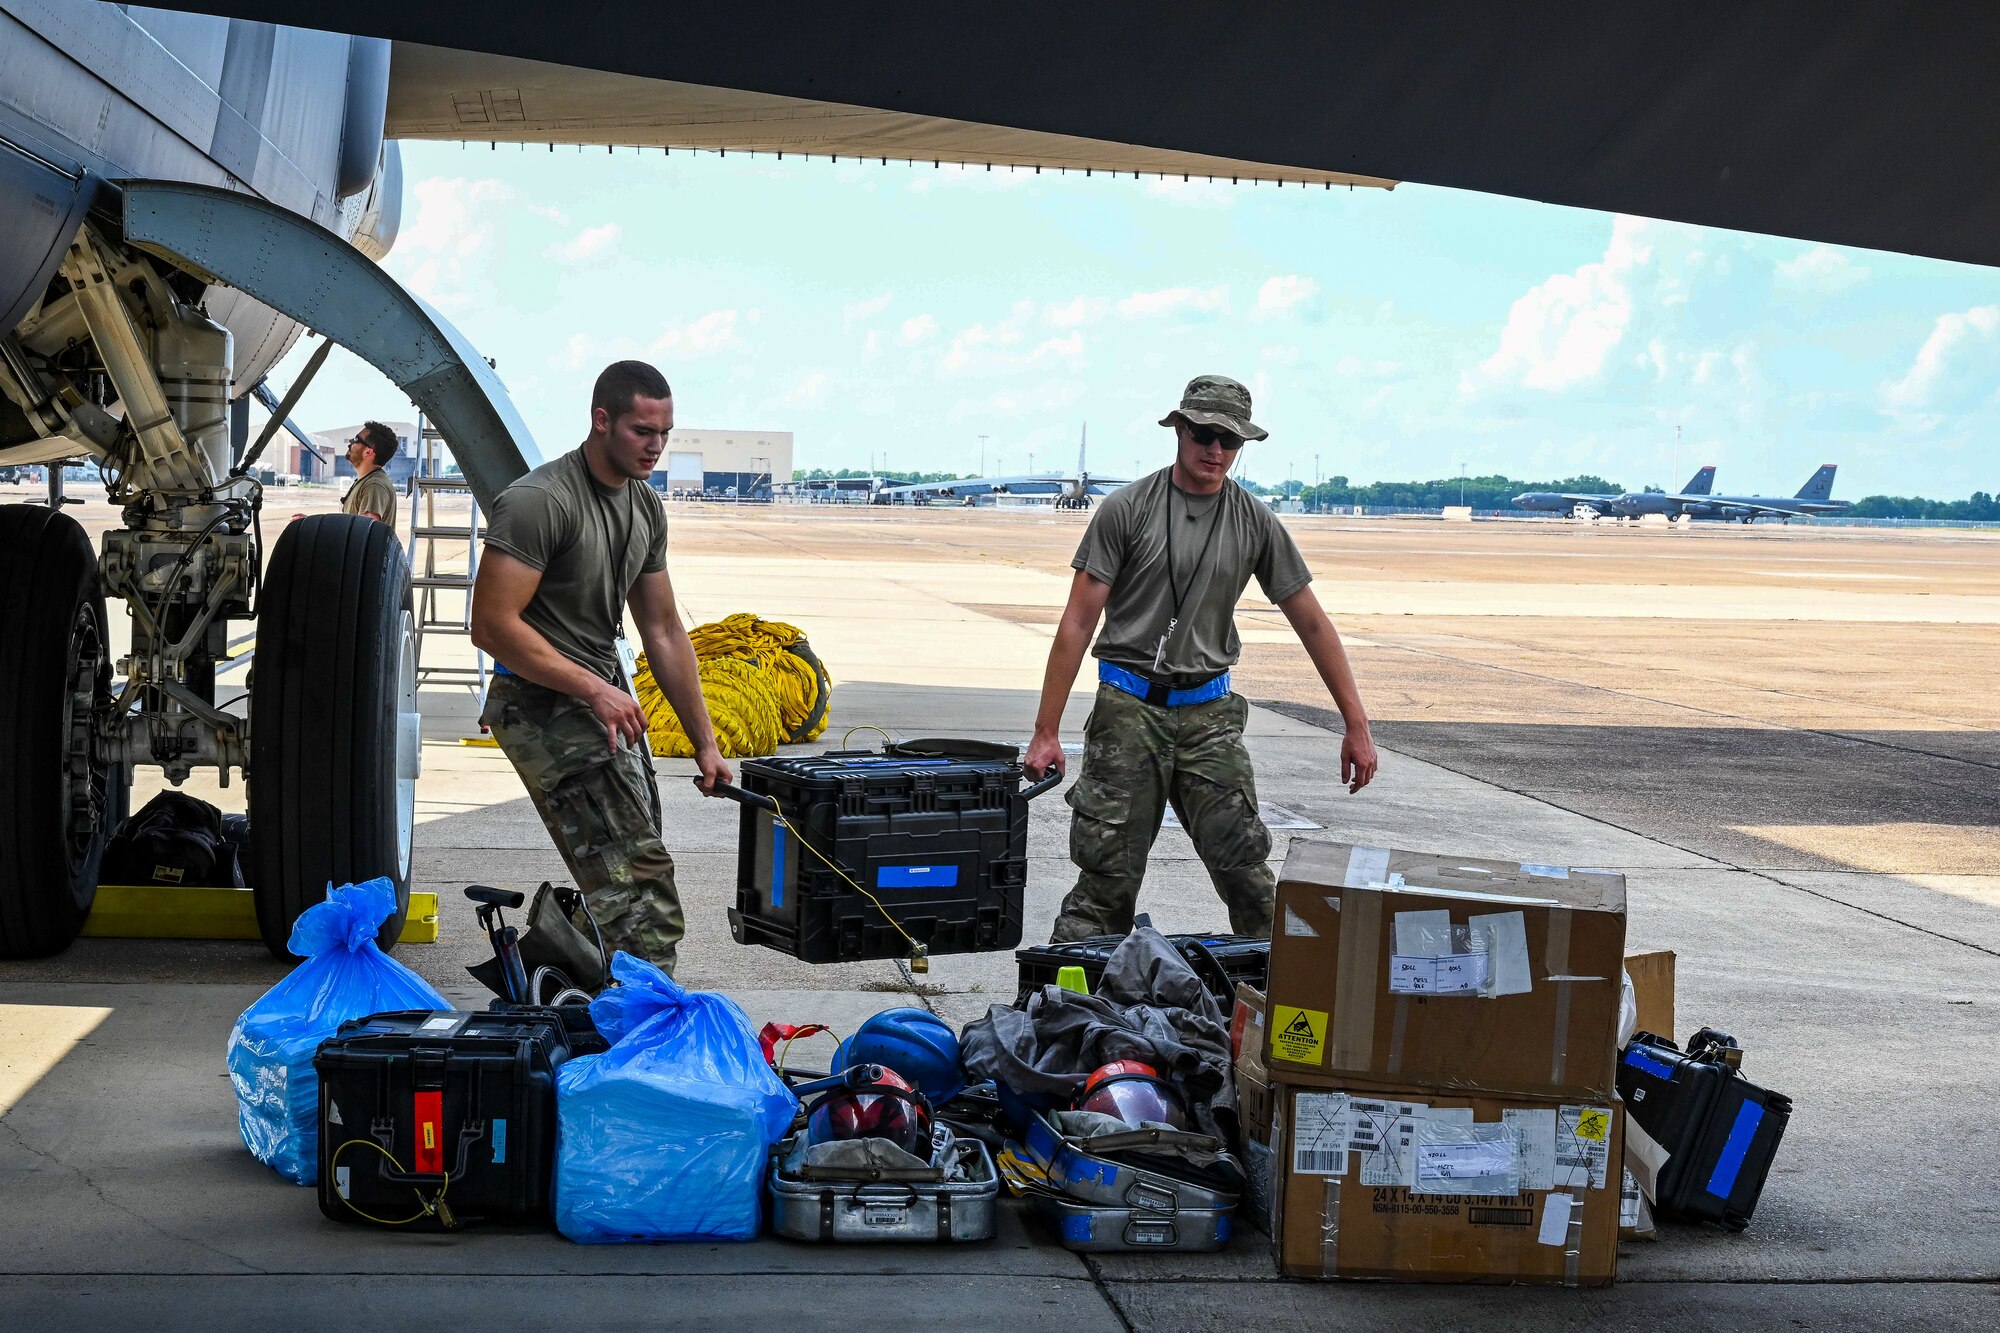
(1578, 505)
(1815, 497)
(1696, 501)
(1071, 490)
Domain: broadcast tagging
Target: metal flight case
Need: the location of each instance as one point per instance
(919, 1206)
(895, 854)
(432, 1120)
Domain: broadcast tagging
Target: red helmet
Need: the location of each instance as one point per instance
(884, 1106)
(1135, 1093)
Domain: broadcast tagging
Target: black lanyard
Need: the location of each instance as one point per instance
(1180, 594)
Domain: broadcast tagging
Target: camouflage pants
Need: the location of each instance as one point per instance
(1136, 759)
(601, 806)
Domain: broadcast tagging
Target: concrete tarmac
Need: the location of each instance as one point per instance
(1821, 876)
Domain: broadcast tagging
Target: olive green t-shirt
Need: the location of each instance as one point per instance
(372, 494)
(591, 542)
(1126, 547)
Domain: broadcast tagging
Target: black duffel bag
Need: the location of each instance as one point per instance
(175, 839)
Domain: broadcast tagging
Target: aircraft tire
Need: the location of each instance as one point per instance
(54, 649)
(332, 722)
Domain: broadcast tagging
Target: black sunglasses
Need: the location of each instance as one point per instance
(1207, 435)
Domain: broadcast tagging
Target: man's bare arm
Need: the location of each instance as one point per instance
(1073, 635)
(675, 668)
(501, 593)
(1358, 760)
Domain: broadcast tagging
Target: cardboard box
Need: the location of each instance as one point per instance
(1254, 1107)
(1414, 1186)
(1652, 973)
(1253, 1081)
(1418, 970)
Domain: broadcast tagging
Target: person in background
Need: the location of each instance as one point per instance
(372, 495)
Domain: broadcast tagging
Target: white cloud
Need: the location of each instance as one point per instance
(703, 336)
(1561, 332)
(1069, 348)
(1820, 269)
(1174, 300)
(981, 341)
(860, 312)
(586, 244)
(1075, 311)
(996, 348)
(809, 388)
(440, 254)
(1280, 295)
(918, 329)
(1282, 354)
(1935, 369)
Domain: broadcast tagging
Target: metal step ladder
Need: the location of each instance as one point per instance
(443, 595)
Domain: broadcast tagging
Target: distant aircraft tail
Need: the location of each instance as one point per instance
(1821, 485)
(1082, 448)
(1701, 483)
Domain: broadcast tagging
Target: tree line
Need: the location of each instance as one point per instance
(1979, 508)
(1492, 491)
(1486, 492)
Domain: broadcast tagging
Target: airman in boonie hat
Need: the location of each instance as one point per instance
(1217, 400)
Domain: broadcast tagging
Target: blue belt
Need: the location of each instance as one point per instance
(500, 669)
(1118, 678)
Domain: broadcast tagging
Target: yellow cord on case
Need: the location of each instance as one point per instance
(431, 1209)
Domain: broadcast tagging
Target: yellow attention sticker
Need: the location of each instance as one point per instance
(1593, 1124)
(1297, 1035)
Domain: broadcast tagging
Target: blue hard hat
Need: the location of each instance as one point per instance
(916, 1043)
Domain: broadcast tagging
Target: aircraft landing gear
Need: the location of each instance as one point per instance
(59, 797)
(334, 725)
(330, 750)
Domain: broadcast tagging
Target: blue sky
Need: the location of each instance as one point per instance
(902, 312)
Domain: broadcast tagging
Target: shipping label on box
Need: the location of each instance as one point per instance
(1373, 1184)
(1427, 971)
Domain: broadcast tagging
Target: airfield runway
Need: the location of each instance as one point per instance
(1785, 737)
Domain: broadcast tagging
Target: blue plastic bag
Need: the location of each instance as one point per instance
(666, 1136)
(344, 976)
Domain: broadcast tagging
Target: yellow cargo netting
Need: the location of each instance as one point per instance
(761, 682)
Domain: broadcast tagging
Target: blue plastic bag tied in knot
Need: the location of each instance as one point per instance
(345, 976)
(666, 1135)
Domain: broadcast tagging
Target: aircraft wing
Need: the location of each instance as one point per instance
(1778, 510)
(438, 93)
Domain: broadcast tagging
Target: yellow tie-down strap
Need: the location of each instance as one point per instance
(170, 912)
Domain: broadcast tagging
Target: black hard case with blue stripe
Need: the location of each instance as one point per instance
(941, 842)
(1720, 1130)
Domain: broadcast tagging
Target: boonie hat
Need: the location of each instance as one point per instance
(1217, 400)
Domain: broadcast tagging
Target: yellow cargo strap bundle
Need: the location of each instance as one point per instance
(760, 680)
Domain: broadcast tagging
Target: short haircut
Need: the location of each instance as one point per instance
(622, 381)
(381, 439)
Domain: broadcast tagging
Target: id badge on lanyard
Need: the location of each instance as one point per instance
(628, 665)
(628, 668)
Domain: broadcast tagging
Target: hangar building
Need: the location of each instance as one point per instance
(717, 462)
